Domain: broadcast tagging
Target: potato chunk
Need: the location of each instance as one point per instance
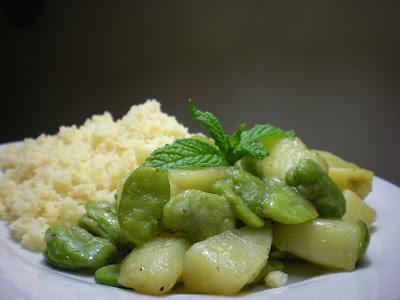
(224, 263)
(198, 179)
(335, 244)
(154, 267)
(286, 154)
(357, 209)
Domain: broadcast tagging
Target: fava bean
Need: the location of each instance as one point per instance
(141, 200)
(316, 185)
(101, 220)
(199, 214)
(71, 247)
(108, 275)
(242, 211)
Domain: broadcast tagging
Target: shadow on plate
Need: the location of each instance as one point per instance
(80, 272)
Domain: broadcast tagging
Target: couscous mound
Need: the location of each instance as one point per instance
(48, 180)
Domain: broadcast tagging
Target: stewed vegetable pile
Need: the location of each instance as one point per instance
(211, 213)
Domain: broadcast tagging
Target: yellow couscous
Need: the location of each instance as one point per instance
(48, 180)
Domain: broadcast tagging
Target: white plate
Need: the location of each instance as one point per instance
(24, 275)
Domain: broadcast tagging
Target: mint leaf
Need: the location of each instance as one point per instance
(260, 131)
(186, 153)
(253, 149)
(234, 139)
(249, 140)
(213, 127)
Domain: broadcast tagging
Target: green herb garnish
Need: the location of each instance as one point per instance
(186, 153)
(190, 152)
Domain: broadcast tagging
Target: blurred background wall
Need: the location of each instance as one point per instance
(328, 69)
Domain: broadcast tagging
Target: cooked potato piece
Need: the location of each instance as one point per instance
(198, 179)
(286, 154)
(348, 175)
(154, 267)
(357, 209)
(335, 244)
(224, 263)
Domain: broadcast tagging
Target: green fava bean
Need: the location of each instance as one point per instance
(287, 206)
(251, 189)
(101, 220)
(108, 275)
(242, 211)
(316, 185)
(141, 200)
(199, 214)
(71, 247)
(273, 184)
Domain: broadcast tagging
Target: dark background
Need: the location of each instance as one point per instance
(328, 69)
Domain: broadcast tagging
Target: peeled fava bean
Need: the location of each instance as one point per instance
(198, 214)
(242, 211)
(71, 247)
(251, 189)
(108, 275)
(141, 200)
(310, 180)
(348, 175)
(288, 206)
(101, 220)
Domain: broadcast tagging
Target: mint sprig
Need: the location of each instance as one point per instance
(192, 152)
